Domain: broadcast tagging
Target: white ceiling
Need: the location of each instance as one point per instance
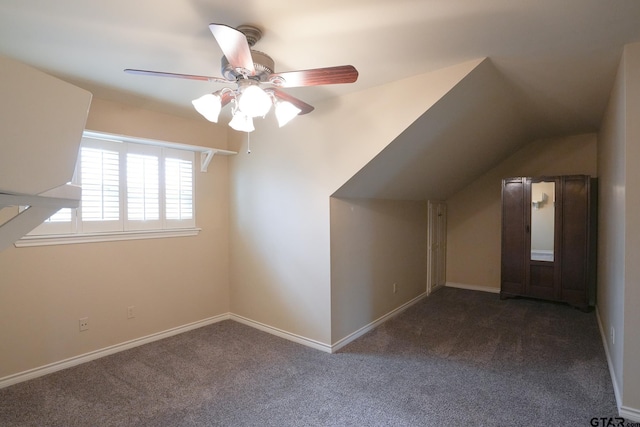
(559, 57)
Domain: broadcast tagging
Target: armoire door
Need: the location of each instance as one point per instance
(514, 236)
(575, 239)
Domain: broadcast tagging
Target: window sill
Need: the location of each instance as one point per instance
(69, 239)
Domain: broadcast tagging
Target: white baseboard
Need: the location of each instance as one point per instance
(282, 334)
(626, 412)
(630, 414)
(435, 288)
(96, 354)
(473, 287)
(83, 358)
(317, 344)
(605, 344)
(357, 334)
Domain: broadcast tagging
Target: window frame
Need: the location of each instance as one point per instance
(63, 233)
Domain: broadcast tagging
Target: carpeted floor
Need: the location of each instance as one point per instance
(457, 358)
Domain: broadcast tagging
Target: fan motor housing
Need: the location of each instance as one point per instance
(262, 63)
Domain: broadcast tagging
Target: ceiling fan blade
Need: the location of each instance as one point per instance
(315, 77)
(178, 76)
(235, 47)
(303, 106)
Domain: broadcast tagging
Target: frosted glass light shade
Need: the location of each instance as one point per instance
(209, 106)
(241, 122)
(285, 112)
(254, 102)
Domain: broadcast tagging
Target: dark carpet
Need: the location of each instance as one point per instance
(457, 358)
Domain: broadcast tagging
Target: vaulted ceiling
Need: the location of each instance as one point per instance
(473, 126)
(559, 57)
(550, 70)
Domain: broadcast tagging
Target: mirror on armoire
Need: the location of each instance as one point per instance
(543, 220)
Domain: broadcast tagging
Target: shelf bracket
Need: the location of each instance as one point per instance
(205, 159)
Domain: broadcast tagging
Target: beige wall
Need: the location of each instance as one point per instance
(631, 386)
(374, 245)
(171, 282)
(280, 225)
(474, 214)
(619, 229)
(611, 223)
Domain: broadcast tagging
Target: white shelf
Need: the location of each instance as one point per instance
(206, 153)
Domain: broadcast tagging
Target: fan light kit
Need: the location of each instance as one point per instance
(250, 69)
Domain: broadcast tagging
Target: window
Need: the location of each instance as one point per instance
(128, 187)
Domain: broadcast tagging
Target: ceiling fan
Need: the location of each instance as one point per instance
(258, 86)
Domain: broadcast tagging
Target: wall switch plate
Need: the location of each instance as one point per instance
(613, 336)
(395, 288)
(84, 324)
(131, 312)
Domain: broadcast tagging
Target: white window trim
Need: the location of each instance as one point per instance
(69, 239)
(206, 154)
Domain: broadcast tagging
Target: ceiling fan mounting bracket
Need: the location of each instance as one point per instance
(252, 33)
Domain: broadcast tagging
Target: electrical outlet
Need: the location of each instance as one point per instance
(131, 312)
(395, 288)
(84, 324)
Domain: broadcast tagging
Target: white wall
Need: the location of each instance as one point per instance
(280, 209)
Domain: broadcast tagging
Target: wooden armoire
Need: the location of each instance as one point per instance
(549, 238)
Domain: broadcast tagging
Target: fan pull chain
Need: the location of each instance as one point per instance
(248, 143)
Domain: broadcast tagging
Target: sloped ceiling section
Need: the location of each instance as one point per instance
(470, 129)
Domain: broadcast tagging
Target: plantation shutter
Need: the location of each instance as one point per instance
(100, 181)
(179, 189)
(143, 187)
